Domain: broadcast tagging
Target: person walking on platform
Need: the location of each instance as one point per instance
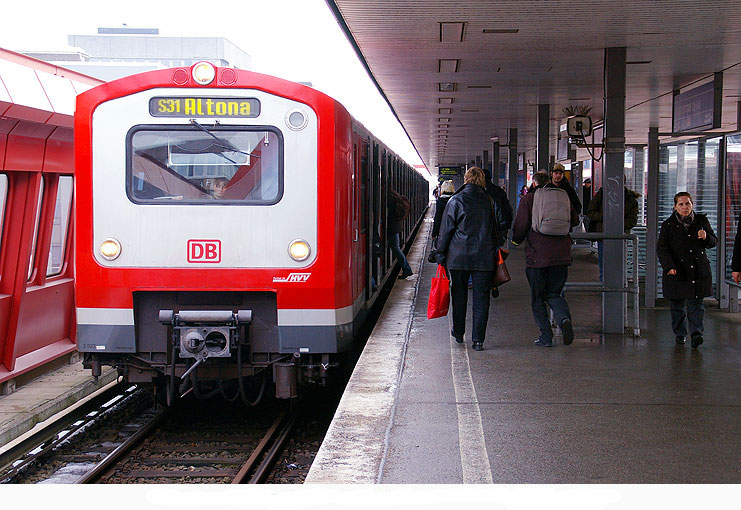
(687, 277)
(501, 203)
(467, 246)
(398, 210)
(557, 179)
(736, 262)
(547, 255)
(446, 191)
(594, 213)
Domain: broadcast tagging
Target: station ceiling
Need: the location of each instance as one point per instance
(503, 58)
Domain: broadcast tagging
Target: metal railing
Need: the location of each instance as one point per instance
(733, 295)
(630, 285)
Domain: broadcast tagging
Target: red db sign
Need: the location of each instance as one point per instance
(204, 250)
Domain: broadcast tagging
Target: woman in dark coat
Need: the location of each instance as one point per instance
(446, 191)
(466, 247)
(687, 277)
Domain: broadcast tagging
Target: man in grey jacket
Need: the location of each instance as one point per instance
(547, 259)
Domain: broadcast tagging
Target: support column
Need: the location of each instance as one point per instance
(613, 203)
(541, 154)
(495, 163)
(512, 169)
(485, 162)
(478, 162)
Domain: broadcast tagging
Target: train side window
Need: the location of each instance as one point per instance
(3, 199)
(61, 225)
(35, 230)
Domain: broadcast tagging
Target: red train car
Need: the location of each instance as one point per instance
(225, 229)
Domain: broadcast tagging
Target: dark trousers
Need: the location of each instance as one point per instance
(396, 250)
(695, 311)
(546, 286)
(481, 296)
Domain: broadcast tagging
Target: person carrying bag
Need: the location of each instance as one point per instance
(437, 305)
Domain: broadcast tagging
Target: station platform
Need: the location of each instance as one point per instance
(41, 398)
(420, 408)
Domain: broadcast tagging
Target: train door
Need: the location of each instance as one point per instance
(356, 269)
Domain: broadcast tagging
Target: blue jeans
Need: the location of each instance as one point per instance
(481, 298)
(694, 314)
(546, 286)
(396, 250)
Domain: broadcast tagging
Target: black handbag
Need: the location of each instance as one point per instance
(432, 257)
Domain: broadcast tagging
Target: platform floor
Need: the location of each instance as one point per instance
(44, 397)
(421, 408)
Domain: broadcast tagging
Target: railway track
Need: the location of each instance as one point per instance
(170, 449)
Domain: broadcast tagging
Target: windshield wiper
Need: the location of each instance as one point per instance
(223, 144)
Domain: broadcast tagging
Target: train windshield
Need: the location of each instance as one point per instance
(195, 164)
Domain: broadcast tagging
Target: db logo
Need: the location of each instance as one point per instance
(204, 250)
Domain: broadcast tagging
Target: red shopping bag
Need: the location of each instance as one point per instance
(437, 306)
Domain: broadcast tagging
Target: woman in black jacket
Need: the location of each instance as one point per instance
(687, 277)
(467, 246)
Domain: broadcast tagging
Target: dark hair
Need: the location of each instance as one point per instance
(540, 178)
(683, 194)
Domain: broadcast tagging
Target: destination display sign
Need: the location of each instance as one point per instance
(449, 170)
(182, 106)
(699, 108)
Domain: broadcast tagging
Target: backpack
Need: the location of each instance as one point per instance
(551, 211)
(402, 208)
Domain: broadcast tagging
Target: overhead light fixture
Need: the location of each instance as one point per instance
(447, 86)
(469, 111)
(501, 30)
(445, 100)
(443, 119)
(444, 111)
(443, 126)
(579, 98)
(479, 86)
(452, 31)
(448, 65)
(638, 62)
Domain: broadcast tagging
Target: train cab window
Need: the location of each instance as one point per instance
(36, 229)
(61, 225)
(204, 165)
(3, 199)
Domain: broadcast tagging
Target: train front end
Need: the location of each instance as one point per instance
(203, 261)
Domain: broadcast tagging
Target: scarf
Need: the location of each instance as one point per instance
(685, 221)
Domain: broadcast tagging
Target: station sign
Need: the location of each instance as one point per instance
(700, 108)
(449, 170)
(224, 107)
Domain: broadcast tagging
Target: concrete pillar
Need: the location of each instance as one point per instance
(542, 153)
(613, 203)
(512, 169)
(495, 163)
(485, 161)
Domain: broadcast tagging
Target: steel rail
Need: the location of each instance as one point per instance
(266, 450)
(112, 458)
(47, 437)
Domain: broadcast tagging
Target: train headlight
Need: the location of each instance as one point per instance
(297, 119)
(299, 250)
(110, 249)
(203, 73)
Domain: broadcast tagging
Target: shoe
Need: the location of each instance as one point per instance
(458, 339)
(541, 343)
(404, 275)
(478, 346)
(679, 340)
(568, 331)
(495, 292)
(696, 340)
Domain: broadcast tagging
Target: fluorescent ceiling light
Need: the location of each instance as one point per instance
(445, 100)
(448, 65)
(443, 119)
(444, 111)
(447, 86)
(479, 86)
(452, 31)
(501, 30)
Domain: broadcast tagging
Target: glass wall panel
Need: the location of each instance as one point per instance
(3, 199)
(61, 224)
(36, 229)
(733, 196)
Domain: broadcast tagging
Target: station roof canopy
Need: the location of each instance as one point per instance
(458, 74)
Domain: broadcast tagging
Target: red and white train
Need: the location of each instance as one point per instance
(231, 229)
